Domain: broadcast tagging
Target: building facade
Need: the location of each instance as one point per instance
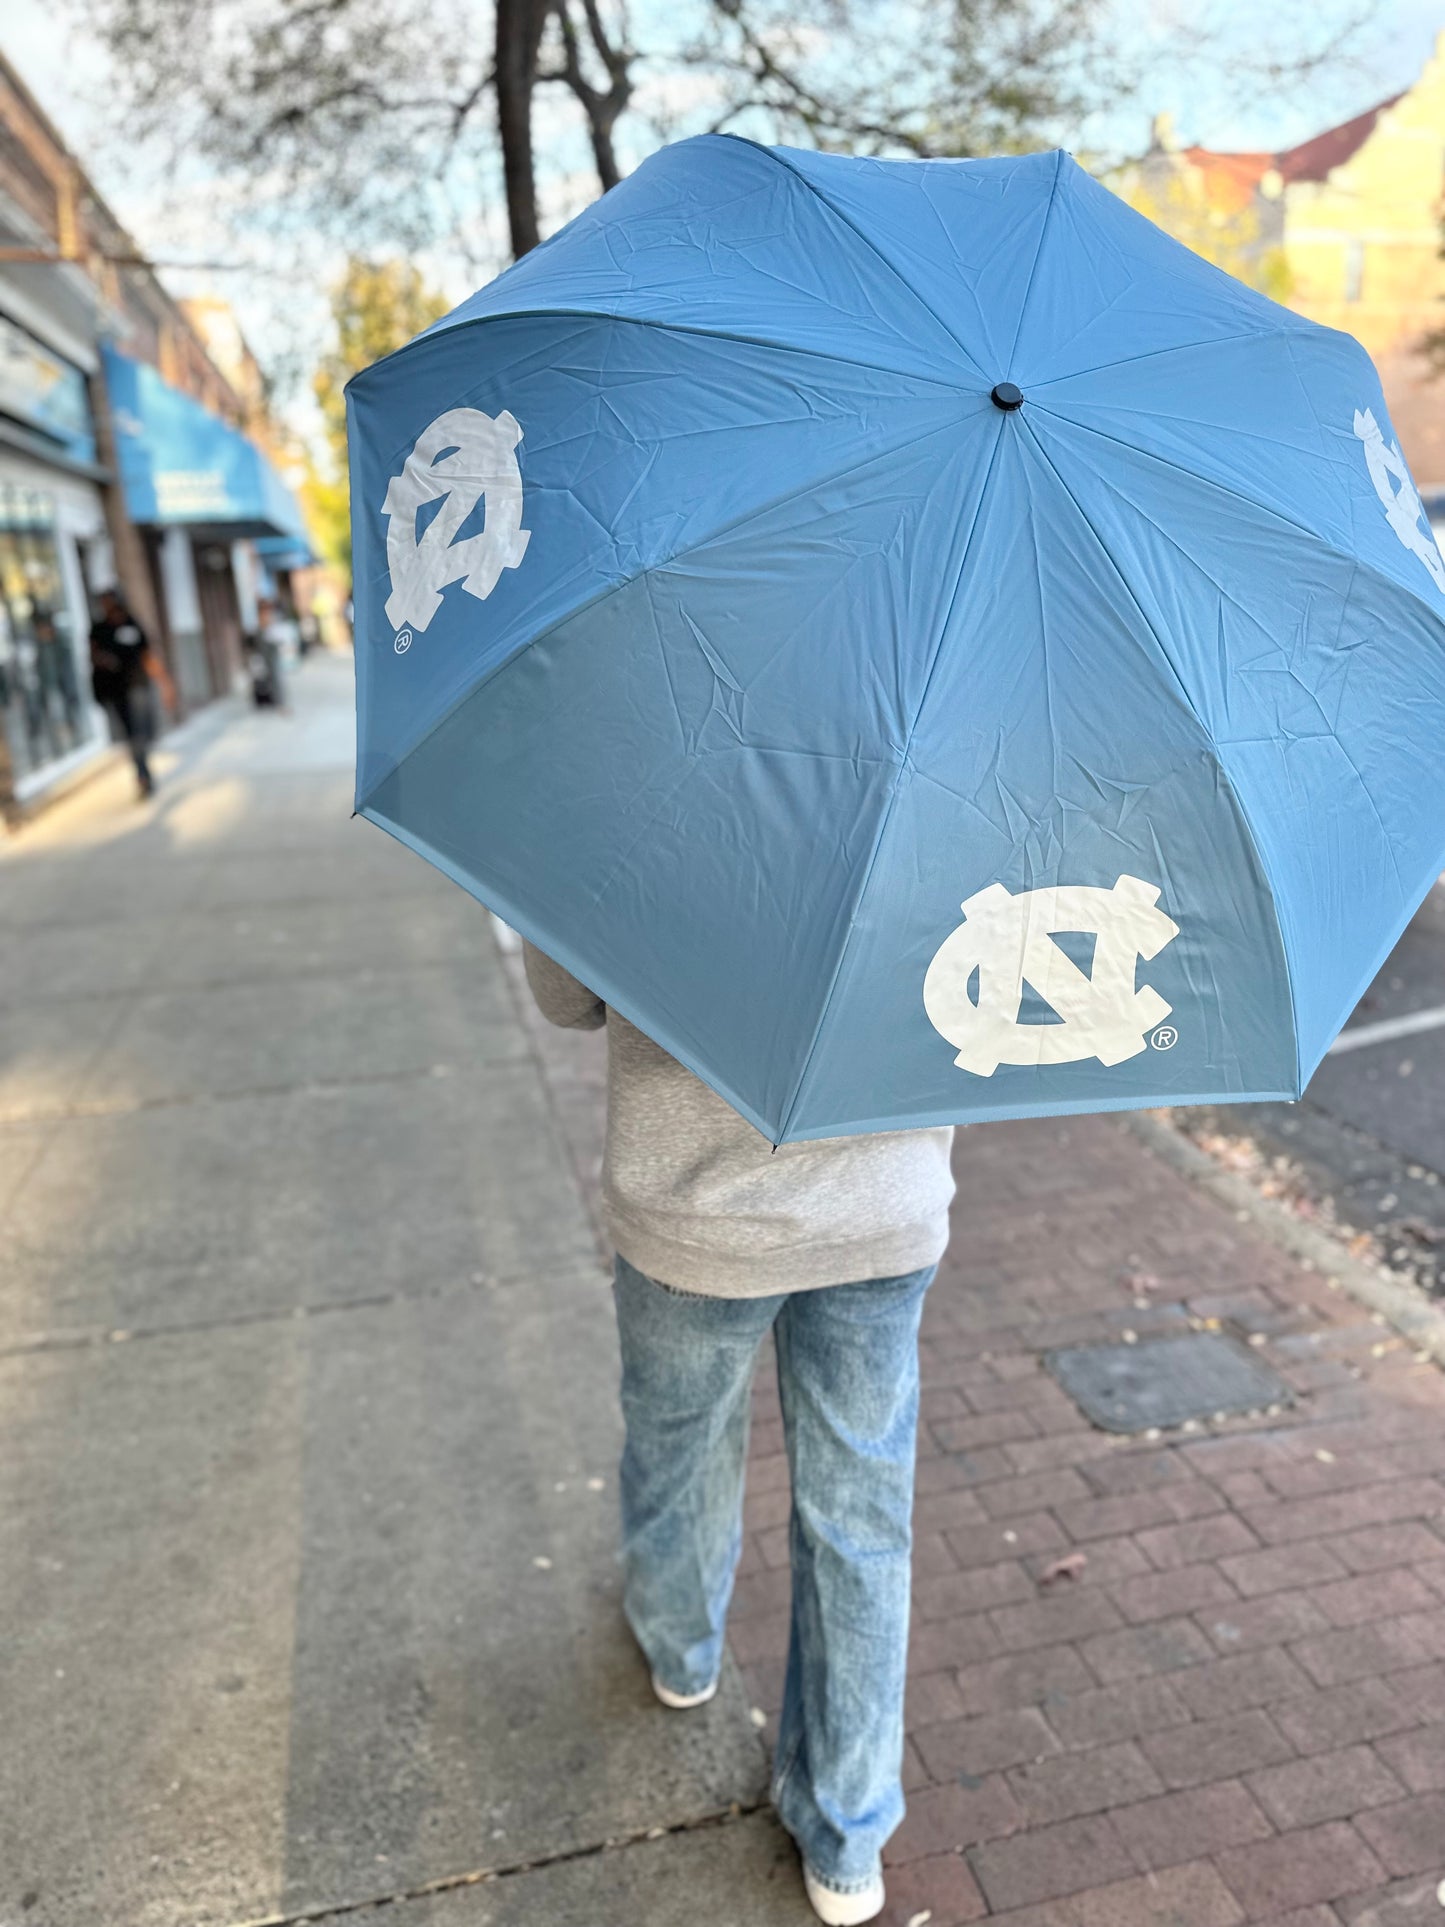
(128, 458)
(1345, 228)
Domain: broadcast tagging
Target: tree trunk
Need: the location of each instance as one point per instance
(519, 37)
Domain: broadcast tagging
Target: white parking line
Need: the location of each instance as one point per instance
(1363, 1035)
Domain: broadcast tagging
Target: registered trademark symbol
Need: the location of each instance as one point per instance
(403, 641)
(1165, 1038)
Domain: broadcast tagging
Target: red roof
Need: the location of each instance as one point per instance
(1313, 159)
(1231, 179)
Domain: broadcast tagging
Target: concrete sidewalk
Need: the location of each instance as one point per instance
(308, 1431)
(307, 1399)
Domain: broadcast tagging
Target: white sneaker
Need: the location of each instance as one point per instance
(843, 1910)
(681, 1701)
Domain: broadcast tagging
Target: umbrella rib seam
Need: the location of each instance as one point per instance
(1155, 354)
(670, 327)
(1038, 255)
(1205, 731)
(872, 246)
(901, 768)
(1356, 562)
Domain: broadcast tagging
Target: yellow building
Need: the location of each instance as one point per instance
(1345, 227)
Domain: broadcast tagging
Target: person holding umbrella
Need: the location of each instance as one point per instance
(914, 645)
(830, 1248)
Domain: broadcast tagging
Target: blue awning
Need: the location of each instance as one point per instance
(181, 465)
(285, 552)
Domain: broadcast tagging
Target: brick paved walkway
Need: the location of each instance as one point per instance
(1234, 1710)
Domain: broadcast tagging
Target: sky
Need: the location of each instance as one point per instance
(285, 318)
(1211, 107)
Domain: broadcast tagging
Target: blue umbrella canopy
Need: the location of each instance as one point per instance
(916, 640)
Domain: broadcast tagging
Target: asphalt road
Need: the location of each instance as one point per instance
(1369, 1132)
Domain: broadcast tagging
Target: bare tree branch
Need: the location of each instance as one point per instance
(602, 106)
(361, 116)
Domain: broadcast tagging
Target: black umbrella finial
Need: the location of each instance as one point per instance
(1007, 397)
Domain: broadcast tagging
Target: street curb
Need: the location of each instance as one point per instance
(1406, 1307)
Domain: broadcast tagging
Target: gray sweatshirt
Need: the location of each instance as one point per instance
(695, 1197)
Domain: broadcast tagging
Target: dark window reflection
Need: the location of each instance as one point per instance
(44, 694)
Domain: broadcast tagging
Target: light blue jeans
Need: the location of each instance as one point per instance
(848, 1379)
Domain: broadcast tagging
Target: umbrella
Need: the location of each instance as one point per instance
(916, 640)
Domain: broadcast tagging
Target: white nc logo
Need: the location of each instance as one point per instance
(465, 456)
(1403, 509)
(1008, 941)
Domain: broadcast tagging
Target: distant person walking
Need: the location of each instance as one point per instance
(275, 633)
(124, 671)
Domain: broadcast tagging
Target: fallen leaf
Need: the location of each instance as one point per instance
(1140, 1282)
(1069, 1566)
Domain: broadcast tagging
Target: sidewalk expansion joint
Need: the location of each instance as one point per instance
(510, 1870)
(242, 907)
(311, 1086)
(322, 971)
(93, 1337)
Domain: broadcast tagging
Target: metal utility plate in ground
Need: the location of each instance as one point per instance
(1161, 1382)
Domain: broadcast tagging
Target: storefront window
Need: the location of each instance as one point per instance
(44, 690)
